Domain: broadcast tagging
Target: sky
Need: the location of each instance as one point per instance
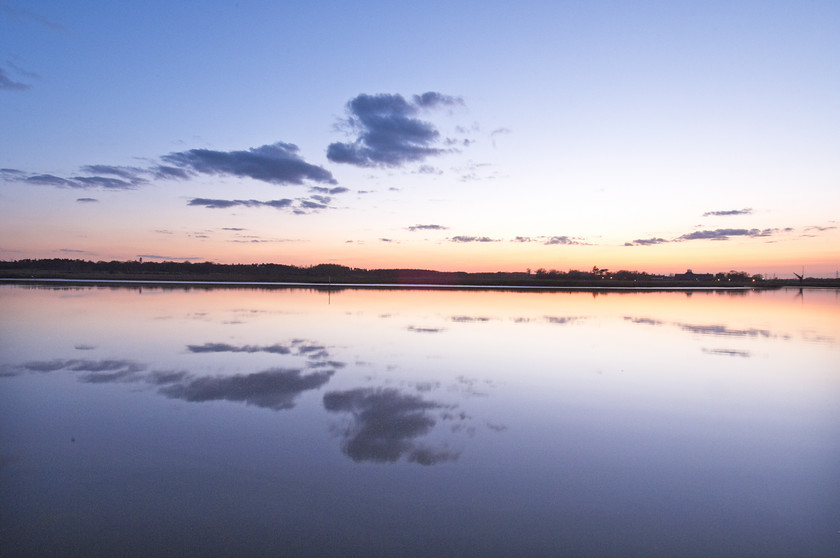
(457, 136)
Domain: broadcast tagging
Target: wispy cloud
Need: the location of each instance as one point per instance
(414, 228)
(304, 205)
(73, 251)
(729, 212)
(726, 234)
(27, 15)
(716, 234)
(87, 200)
(464, 239)
(646, 241)
(387, 131)
(8, 84)
(552, 240)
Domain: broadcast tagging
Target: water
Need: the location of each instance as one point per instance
(300, 422)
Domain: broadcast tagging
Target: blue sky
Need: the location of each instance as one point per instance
(446, 135)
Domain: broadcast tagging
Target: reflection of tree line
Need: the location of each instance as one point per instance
(384, 424)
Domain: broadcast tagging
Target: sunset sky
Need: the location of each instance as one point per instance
(474, 136)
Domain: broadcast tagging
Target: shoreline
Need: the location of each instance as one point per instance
(647, 287)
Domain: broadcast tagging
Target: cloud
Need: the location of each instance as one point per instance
(385, 424)
(727, 213)
(472, 239)
(87, 200)
(425, 329)
(725, 234)
(227, 348)
(728, 352)
(330, 191)
(72, 251)
(275, 388)
(23, 15)
(717, 234)
(433, 99)
(80, 182)
(8, 84)
(646, 242)
(723, 330)
(387, 132)
(498, 132)
(565, 240)
(551, 240)
(304, 206)
(278, 163)
(224, 204)
(414, 228)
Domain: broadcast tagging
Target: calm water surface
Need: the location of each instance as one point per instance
(298, 422)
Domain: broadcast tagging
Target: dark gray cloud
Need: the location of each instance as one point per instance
(275, 388)
(729, 212)
(426, 228)
(472, 239)
(8, 84)
(646, 242)
(388, 134)
(385, 425)
(278, 163)
(87, 200)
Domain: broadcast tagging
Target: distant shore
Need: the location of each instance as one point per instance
(332, 275)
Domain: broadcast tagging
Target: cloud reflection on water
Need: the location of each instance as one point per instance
(385, 425)
(274, 389)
